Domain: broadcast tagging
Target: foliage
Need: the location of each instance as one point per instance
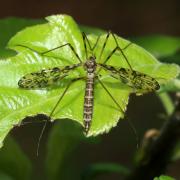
(9, 27)
(16, 103)
(13, 162)
(162, 177)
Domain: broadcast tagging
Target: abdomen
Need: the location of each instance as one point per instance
(88, 101)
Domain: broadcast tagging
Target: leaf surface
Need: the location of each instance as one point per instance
(17, 103)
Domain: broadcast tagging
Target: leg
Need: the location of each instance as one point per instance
(132, 127)
(117, 48)
(29, 122)
(44, 126)
(121, 50)
(110, 95)
(110, 55)
(89, 44)
(129, 122)
(45, 52)
(85, 47)
(67, 87)
(40, 53)
(104, 45)
(114, 50)
(67, 44)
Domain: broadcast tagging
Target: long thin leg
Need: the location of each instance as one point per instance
(67, 87)
(110, 55)
(114, 100)
(85, 39)
(119, 48)
(29, 122)
(104, 45)
(134, 131)
(115, 49)
(45, 52)
(89, 44)
(85, 47)
(43, 129)
(129, 122)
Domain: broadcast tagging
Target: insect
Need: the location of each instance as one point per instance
(47, 77)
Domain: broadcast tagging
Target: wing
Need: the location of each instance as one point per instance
(45, 77)
(140, 82)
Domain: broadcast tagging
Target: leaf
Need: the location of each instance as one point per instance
(10, 26)
(96, 170)
(5, 176)
(167, 102)
(166, 49)
(159, 45)
(18, 103)
(172, 86)
(13, 162)
(91, 30)
(176, 153)
(175, 58)
(162, 177)
(62, 143)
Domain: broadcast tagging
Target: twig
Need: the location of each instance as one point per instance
(157, 154)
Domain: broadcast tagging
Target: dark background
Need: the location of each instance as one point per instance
(126, 18)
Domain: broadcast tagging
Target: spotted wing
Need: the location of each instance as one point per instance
(140, 82)
(45, 77)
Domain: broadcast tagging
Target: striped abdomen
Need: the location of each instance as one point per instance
(88, 101)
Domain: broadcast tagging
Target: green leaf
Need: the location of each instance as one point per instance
(96, 170)
(159, 45)
(62, 143)
(10, 26)
(162, 177)
(13, 162)
(5, 176)
(91, 30)
(172, 86)
(18, 103)
(165, 48)
(176, 153)
(175, 58)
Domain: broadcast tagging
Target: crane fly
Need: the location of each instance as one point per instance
(47, 77)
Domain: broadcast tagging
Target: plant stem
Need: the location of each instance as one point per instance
(158, 154)
(167, 103)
